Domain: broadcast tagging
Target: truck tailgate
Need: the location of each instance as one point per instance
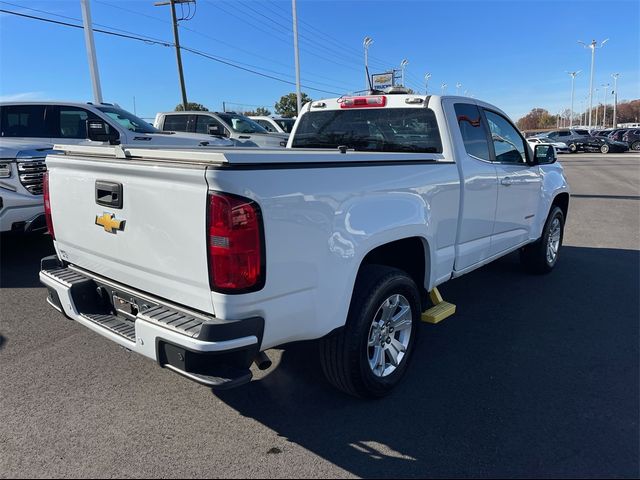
(160, 247)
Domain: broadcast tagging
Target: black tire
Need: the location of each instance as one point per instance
(573, 148)
(344, 355)
(635, 145)
(534, 256)
(604, 148)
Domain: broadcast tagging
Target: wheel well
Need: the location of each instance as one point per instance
(408, 254)
(562, 201)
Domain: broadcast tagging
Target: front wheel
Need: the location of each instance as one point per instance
(573, 148)
(542, 255)
(635, 146)
(604, 148)
(369, 356)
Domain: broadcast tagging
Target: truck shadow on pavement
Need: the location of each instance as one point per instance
(534, 376)
(20, 257)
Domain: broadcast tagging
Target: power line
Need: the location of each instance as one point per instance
(66, 24)
(167, 44)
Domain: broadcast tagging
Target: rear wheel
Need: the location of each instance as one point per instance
(542, 255)
(370, 355)
(635, 145)
(604, 148)
(573, 148)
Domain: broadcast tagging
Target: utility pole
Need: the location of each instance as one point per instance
(91, 51)
(176, 40)
(573, 78)
(426, 83)
(294, 12)
(615, 99)
(593, 45)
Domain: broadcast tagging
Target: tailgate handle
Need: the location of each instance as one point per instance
(109, 194)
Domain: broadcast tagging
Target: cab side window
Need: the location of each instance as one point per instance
(473, 131)
(266, 125)
(176, 123)
(73, 122)
(23, 121)
(203, 122)
(507, 142)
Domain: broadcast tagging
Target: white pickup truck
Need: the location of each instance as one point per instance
(202, 260)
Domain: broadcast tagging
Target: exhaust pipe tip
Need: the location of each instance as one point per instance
(262, 361)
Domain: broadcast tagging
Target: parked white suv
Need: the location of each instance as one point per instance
(244, 131)
(64, 122)
(275, 124)
(22, 171)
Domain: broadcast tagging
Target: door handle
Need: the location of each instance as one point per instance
(244, 136)
(506, 181)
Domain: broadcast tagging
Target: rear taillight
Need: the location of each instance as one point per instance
(363, 102)
(235, 244)
(47, 205)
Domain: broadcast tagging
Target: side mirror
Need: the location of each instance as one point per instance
(101, 131)
(544, 154)
(216, 130)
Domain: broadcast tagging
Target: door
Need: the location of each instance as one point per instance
(519, 185)
(479, 188)
(26, 122)
(69, 124)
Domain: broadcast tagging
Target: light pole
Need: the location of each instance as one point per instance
(91, 51)
(597, 108)
(605, 87)
(426, 83)
(615, 99)
(443, 87)
(294, 15)
(403, 64)
(593, 45)
(368, 41)
(458, 86)
(573, 79)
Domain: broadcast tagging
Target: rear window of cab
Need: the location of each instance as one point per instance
(370, 130)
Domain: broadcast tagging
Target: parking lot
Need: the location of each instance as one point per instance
(534, 376)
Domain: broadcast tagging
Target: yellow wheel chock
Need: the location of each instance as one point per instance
(440, 309)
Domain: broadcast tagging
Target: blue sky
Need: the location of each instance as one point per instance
(514, 54)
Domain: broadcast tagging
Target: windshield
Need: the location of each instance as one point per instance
(372, 130)
(241, 124)
(128, 120)
(286, 124)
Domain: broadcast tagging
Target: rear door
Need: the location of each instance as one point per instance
(140, 224)
(519, 185)
(26, 122)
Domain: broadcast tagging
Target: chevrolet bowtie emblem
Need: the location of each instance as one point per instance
(109, 222)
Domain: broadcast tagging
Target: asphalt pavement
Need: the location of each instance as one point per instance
(535, 376)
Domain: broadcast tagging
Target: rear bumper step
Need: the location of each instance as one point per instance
(208, 350)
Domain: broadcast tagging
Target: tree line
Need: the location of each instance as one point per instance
(539, 118)
(286, 107)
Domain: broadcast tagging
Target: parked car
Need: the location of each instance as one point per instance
(244, 131)
(617, 134)
(574, 138)
(64, 122)
(603, 133)
(209, 261)
(275, 124)
(22, 168)
(603, 145)
(632, 138)
(560, 147)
